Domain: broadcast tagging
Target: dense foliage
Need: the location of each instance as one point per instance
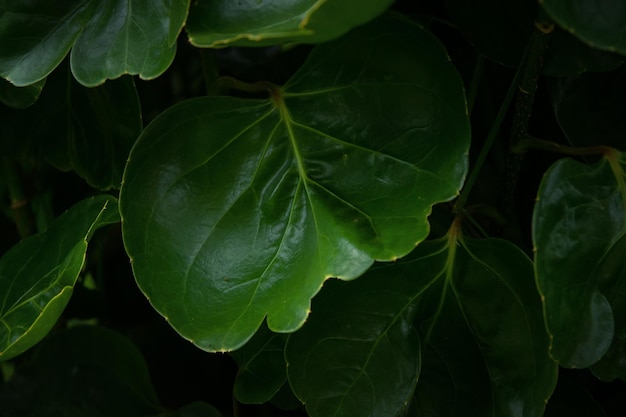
(324, 208)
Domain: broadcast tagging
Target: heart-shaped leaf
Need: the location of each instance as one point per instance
(237, 209)
(107, 38)
(37, 275)
(476, 306)
(578, 233)
(600, 23)
(220, 23)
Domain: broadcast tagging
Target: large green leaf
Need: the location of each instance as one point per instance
(82, 371)
(500, 30)
(600, 23)
(37, 275)
(220, 23)
(578, 233)
(88, 130)
(237, 209)
(483, 339)
(107, 38)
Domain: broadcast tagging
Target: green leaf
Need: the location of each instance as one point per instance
(511, 23)
(38, 274)
(237, 209)
(197, 409)
(88, 130)
(600, 23)
(220, 23)
(20, 97)
(107, 39)
(483, 339)
(590, 108)
(261, 367)
(578, 233)
(82, 371)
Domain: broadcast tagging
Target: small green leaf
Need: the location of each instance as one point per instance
(20, 97)
(237, 209)
(600, 23)
(578, 233)
(261, 367)
(359, 353)
(82, 371)
(220, 23)
(107, 39)
(38, 274)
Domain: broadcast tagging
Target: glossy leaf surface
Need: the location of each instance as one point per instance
(359, 353)
(107, 39)
(87, 130)
(220, 23)
(38, 274)
(261, 367)
(236, 209)
(82, 371)
(578, 233)
(600, 23)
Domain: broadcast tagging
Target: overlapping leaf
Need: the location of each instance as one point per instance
(37, 275)
(220, 23)
(237, 209)
(262, 370)
(484, 347)
(82, 371)
(578, 232)
(600, 23)
(107, 39)
(20, 97)
(88, 130)
(500, 30)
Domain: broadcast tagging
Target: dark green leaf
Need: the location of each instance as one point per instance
(20, 97)
(578, 233)
(600, 23)
(220, 23)
(590, 108)
(485, 343)
(37, 275)
(197, 409)
(88, 130)
(78, 372)
(500, 30)
(237, 209)
(261, 367)
(107, 38)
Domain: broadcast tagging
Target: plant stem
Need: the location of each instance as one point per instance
(19, 202)
(535, 143)
(532, 67)
(491, 137)
(209, 71)
(475, 83)
(227, 83)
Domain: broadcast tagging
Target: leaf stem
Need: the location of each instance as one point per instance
(545, 145)
(209, 71)
(477, 75)
(491, 137)
(19, 203)
(227, 83)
